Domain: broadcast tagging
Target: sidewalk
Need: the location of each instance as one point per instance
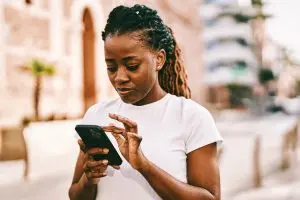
(241, 134)
(278, 186)
(53, 151)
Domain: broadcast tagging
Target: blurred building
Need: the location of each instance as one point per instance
(233, 41)
(67, 33)
(228, 42)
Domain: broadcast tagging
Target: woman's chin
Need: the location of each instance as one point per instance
(128, 99)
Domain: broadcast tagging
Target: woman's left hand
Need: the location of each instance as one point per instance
(128, 141)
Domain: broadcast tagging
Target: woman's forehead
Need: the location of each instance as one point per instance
(124, 44)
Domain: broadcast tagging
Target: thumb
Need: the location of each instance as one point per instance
(119, 138)
(81, 145)
(134, 141)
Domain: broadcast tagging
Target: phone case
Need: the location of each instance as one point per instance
(94, 136)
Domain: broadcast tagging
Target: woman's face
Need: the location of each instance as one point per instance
(132, 67)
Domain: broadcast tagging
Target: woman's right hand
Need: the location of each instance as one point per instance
(93, 169)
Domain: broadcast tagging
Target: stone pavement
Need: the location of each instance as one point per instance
(278, 186)
(236, 164)
(53, 151)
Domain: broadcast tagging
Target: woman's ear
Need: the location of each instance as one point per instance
(161, 59)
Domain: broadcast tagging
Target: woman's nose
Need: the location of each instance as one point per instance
(121, 75)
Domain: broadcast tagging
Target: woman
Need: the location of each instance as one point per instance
(177, 157)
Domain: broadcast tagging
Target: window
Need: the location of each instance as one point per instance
(211, 44)
(242, 42)
(210, 22)
(208, 1)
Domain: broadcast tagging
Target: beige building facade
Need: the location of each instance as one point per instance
(67, 33)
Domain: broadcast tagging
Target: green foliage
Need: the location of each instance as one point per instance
(238, 17)
(257, 2)
(242, 18)
(238, 92)
(265, 75)
(298, 87)
(262, 16)
(38, 67)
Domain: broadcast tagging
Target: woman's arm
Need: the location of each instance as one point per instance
(80, 189)
(202, 170)
(88, 173)
(202, 173)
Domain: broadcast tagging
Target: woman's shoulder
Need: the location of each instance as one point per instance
(103, 106)
(198, 123)
(189, 107)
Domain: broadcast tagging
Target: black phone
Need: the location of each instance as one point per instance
(94, 136)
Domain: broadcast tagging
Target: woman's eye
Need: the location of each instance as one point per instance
(111, 69)
(132, 67)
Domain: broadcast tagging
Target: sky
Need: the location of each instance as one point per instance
(284, 26)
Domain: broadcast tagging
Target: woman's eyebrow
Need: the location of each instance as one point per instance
(109, 60)
(129, 58)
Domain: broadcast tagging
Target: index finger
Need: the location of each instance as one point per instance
(96, 151)
(81, 145)
(129, 124)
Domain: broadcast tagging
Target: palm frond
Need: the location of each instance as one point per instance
(37, 67)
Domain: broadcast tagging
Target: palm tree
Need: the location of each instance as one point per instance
(38, 69)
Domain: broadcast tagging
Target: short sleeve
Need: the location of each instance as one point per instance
(203, 130)
(89, 117)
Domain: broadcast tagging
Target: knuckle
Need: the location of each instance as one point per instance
(97, 163)
(102, 168)
(89, 164)
(90, 152)
(100, 150)
(85, 167)
(99, 175)
(105, 151)
(130, 134)
(104, 162)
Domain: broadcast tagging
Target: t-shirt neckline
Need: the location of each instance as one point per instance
(149, 105)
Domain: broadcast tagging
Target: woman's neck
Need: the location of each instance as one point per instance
(155, 94)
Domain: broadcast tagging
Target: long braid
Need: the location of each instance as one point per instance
(172, 77)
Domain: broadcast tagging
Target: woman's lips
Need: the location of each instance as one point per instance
(124, 91)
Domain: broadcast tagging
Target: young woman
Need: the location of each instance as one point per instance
(168, 142)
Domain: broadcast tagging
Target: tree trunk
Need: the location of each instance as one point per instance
(37, 91)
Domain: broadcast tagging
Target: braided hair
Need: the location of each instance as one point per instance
(144, 20)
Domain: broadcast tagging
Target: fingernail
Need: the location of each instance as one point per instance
(105, 162)
(105, 150)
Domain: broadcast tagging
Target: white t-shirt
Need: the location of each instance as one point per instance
(171, 128)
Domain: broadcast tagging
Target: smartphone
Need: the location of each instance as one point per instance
(94, 136)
